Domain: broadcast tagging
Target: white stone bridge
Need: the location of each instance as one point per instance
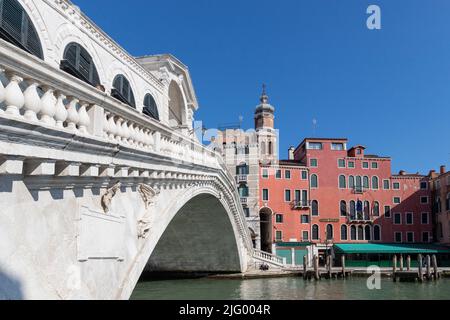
(101, 176)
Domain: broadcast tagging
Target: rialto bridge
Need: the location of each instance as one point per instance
(101, 177)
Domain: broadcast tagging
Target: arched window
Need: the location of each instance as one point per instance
(358, 182)
(315, 232)
(270, 148)
(375, 183)
(263, 148)
(342, 182)
(314, 181)
(315, 208)
(353, 235)
(359, 210)
(376, 233)
(78, 62)
(122, 91)
(16, 28)
(366, 182)
(366, 210)
(330, 234)
(343, 208)
(150, 107)
(368, 233)
(351, 182)
(344, 236)
(376, 209)
(360, 233)
(352, 210)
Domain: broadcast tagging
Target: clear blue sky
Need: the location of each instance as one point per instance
(386, 89)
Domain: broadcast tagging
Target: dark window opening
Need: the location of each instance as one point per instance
(122, 91)
(16, 28)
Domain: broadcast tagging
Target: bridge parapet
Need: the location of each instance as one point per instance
(40, 95)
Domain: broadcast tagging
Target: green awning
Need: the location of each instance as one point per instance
(382, 248)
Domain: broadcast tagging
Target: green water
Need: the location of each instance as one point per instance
(288, 289)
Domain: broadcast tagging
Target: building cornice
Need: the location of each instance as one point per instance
(68, 9)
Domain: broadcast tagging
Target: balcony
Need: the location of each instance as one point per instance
(301, 204)
(244, 200)
(360, 218)
(242, 178)
(359, 190)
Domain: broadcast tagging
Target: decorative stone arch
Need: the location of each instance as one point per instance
(266, 226)
(178, 111)
(65, 36)
(171, 212)
(117, 68)
(41, 29)
(155, 94)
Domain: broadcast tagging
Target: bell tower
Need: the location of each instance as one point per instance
(265, 113)
(265, 131)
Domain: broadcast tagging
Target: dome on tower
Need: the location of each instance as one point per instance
(264, 106)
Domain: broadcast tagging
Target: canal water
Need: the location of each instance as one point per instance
(288, 289)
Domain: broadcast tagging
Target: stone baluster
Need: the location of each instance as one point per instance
(2, 91)
(84, 118)
(61, 111)
(140, 137)
(106, 129)
(148, 138)
(125, 131)
(119, 131)
(112, 127)
(72, 115)
(132, 140)
(48, 107)
(14, 97)
(32, 104)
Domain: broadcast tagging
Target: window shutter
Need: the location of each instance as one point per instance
(150, 107)
(17, 28)
(12, 18)
(71, 55)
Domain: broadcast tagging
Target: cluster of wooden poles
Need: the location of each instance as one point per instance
(431, 271)
(328, 272)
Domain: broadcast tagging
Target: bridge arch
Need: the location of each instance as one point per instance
(199, 234)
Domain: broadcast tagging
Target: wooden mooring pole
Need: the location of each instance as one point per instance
(408, 263)
(343, 266)
(394, 268)
(435, 268)
(401, 262)
(316, 268)
(305, 267)
(329, 266)
(420, 258)
(428, 267)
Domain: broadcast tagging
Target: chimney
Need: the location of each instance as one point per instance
(291, 153)
(443, 170)
(432, 174)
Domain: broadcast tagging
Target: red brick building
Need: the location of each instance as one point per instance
(440, 186)
(327, 193)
